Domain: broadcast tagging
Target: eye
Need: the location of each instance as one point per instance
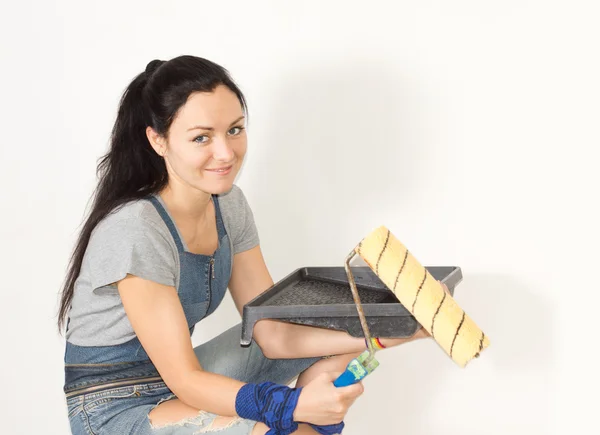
(203, 139)
(234, 131)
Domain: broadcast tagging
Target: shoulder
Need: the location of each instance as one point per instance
(234, 206)
(138, 214)
(232, 199)
(132, 239)
(134, 223)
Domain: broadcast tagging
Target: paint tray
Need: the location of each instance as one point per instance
(322, 297)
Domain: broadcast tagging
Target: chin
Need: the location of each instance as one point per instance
(217, 188)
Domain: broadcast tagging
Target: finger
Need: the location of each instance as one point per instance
(330, 376)
(353, 391)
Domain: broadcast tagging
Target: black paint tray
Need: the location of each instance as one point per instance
(321, 296)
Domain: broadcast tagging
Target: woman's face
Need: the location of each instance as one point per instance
(206, 143)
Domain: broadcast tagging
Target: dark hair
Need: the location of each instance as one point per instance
(132, 169)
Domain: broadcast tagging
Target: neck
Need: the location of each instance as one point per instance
(186, 202)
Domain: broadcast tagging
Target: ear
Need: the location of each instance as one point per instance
(159, 143)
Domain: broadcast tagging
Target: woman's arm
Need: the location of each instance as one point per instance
(158, 320)
(250, 277)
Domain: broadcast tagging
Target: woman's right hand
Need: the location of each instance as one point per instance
(322, 403)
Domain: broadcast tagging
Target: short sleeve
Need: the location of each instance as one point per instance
(130, 246)
(246, 236)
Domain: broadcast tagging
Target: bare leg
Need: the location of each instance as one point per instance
(174, 411)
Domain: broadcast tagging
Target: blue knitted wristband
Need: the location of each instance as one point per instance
(330, 429)
(271, 404)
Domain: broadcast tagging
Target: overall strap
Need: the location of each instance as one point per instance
(168, 221)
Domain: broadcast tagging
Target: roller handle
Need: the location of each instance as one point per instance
(357, 370)
(348, 378)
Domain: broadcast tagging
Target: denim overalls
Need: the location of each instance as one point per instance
(111, 389)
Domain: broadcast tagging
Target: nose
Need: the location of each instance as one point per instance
(222, 151)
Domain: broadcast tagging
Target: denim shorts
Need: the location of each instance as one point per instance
(124, 410)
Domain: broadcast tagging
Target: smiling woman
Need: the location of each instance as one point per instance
(168, 234)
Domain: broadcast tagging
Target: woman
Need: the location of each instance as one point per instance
(167, 234)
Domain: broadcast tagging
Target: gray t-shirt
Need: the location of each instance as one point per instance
(135, 240)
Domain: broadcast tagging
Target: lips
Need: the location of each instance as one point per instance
(221, 171)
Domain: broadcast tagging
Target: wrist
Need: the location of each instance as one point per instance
(391, 342)
(269, 403)
(299, 414)
(332, 429)
(245, 405)
(377, 343)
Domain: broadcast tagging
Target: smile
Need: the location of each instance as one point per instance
(221, 171)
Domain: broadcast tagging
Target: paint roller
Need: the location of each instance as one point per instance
(421, 294)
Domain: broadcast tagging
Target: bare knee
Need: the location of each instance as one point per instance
(176, 412)
(171, 411)
(224, 422)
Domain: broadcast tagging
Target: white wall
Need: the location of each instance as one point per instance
(469, 128)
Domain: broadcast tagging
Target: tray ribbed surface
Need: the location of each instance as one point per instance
(312, 292)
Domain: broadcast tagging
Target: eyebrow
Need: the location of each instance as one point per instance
(200, 127)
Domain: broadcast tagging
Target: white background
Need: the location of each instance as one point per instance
(468, 127)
